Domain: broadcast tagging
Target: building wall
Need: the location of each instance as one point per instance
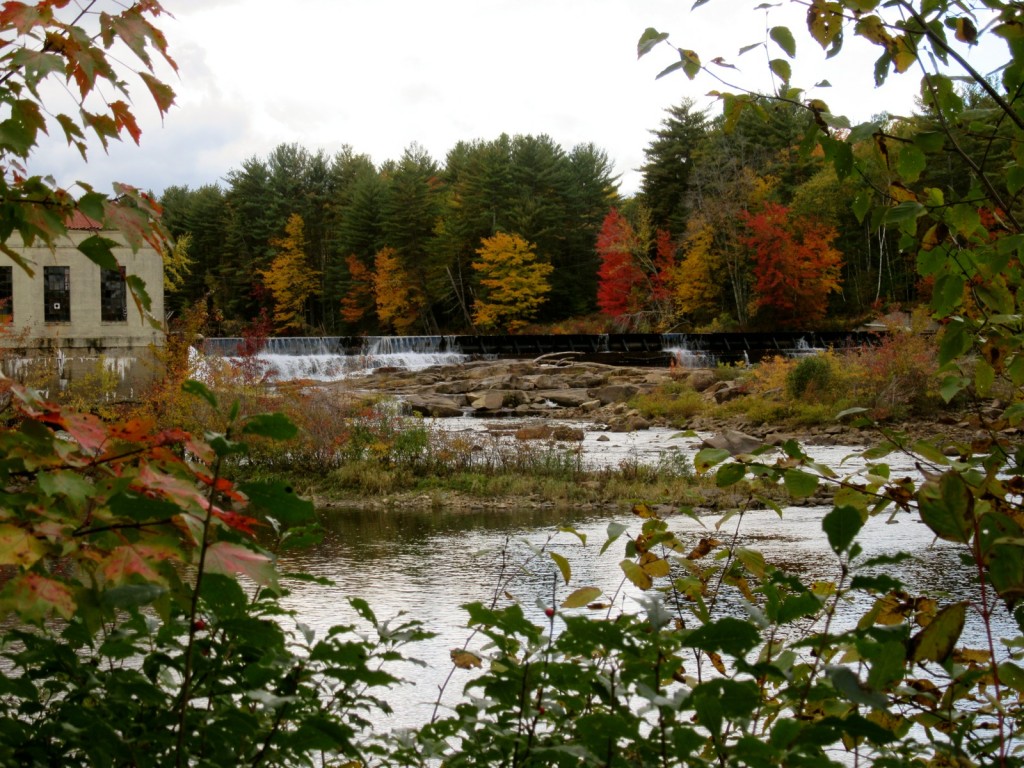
(87, 343)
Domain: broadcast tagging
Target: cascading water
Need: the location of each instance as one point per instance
(686, 352)
(327, 358)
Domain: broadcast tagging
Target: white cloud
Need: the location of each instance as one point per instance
(380, 75)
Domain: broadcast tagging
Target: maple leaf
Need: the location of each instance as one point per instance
(239, 522)
(127, 561)
(35, 597)
(19, 546)
(232, 559)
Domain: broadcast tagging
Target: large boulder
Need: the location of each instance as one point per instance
(733, 441)
(435, 406)
(614, 393)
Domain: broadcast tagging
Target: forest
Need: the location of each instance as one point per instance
(741, 222)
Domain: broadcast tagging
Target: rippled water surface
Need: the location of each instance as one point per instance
(430, 563)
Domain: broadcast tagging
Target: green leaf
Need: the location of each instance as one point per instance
(798, 606)
(650, 38)
(963, 219)
(782, 69)
(862, 204)
(137, 287)
(850, 687)
(276, 426)
(947, 294)
(930, 452)
(730, 474)
(1012, 675)
(841, 526)
(727, 635)
(614, 531)
(198, 389)
(706, 458)
(784, 37)
(75, 488)
(956, 340)
(937, 641)
(911, 163)
(131, 595)
(800, 484)
(99, 250)
(947, 507)
(563, 566)
(907, 211)
(984, 377)
(996, 296)
(278, 500)
(581, 597)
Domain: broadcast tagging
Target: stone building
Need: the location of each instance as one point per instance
(72, 319)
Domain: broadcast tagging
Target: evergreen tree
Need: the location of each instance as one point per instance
(670, 157)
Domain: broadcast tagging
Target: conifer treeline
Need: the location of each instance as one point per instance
(396, 248)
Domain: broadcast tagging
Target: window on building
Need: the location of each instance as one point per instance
(6, 294)
(113, 296)
(57, 294)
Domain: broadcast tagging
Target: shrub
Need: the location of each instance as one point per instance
(810, 379)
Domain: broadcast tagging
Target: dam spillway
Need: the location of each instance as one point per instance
(333, 357)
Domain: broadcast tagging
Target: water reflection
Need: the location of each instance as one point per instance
(429, 563)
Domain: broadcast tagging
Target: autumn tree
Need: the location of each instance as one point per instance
(358, 302)
(290, 278)
(514, 283)
(795, 266)
(398, 297)
(621, 283)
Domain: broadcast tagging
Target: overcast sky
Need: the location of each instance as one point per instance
(378, 75)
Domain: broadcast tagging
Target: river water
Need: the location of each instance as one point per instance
(430, 563)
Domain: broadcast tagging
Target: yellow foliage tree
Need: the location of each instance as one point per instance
(514, 283)
(290, 278)
(178, 263)
(699, 277)
(399, 301)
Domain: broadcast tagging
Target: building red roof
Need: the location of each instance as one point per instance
(79, 220)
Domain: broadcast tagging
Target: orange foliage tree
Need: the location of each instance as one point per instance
(290, 278)
(399, 301)
(515, 283)
(795, 265)
(358, 301)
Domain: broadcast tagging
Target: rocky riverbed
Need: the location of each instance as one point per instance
(557, 388)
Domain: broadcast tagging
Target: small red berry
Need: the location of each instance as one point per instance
(549, 612)
(199, 625)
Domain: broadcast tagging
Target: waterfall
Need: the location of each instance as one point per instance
(686, 352)
(331, 358)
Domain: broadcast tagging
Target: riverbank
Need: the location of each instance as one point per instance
(502, 434)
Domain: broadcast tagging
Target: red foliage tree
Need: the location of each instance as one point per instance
(795, 265)
(620, 281)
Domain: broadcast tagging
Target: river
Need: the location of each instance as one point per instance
(430, 563)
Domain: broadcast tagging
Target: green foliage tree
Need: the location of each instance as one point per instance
(513, 283)
(966, 238)
(665, 185)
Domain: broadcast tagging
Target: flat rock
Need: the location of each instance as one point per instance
(566, 398)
